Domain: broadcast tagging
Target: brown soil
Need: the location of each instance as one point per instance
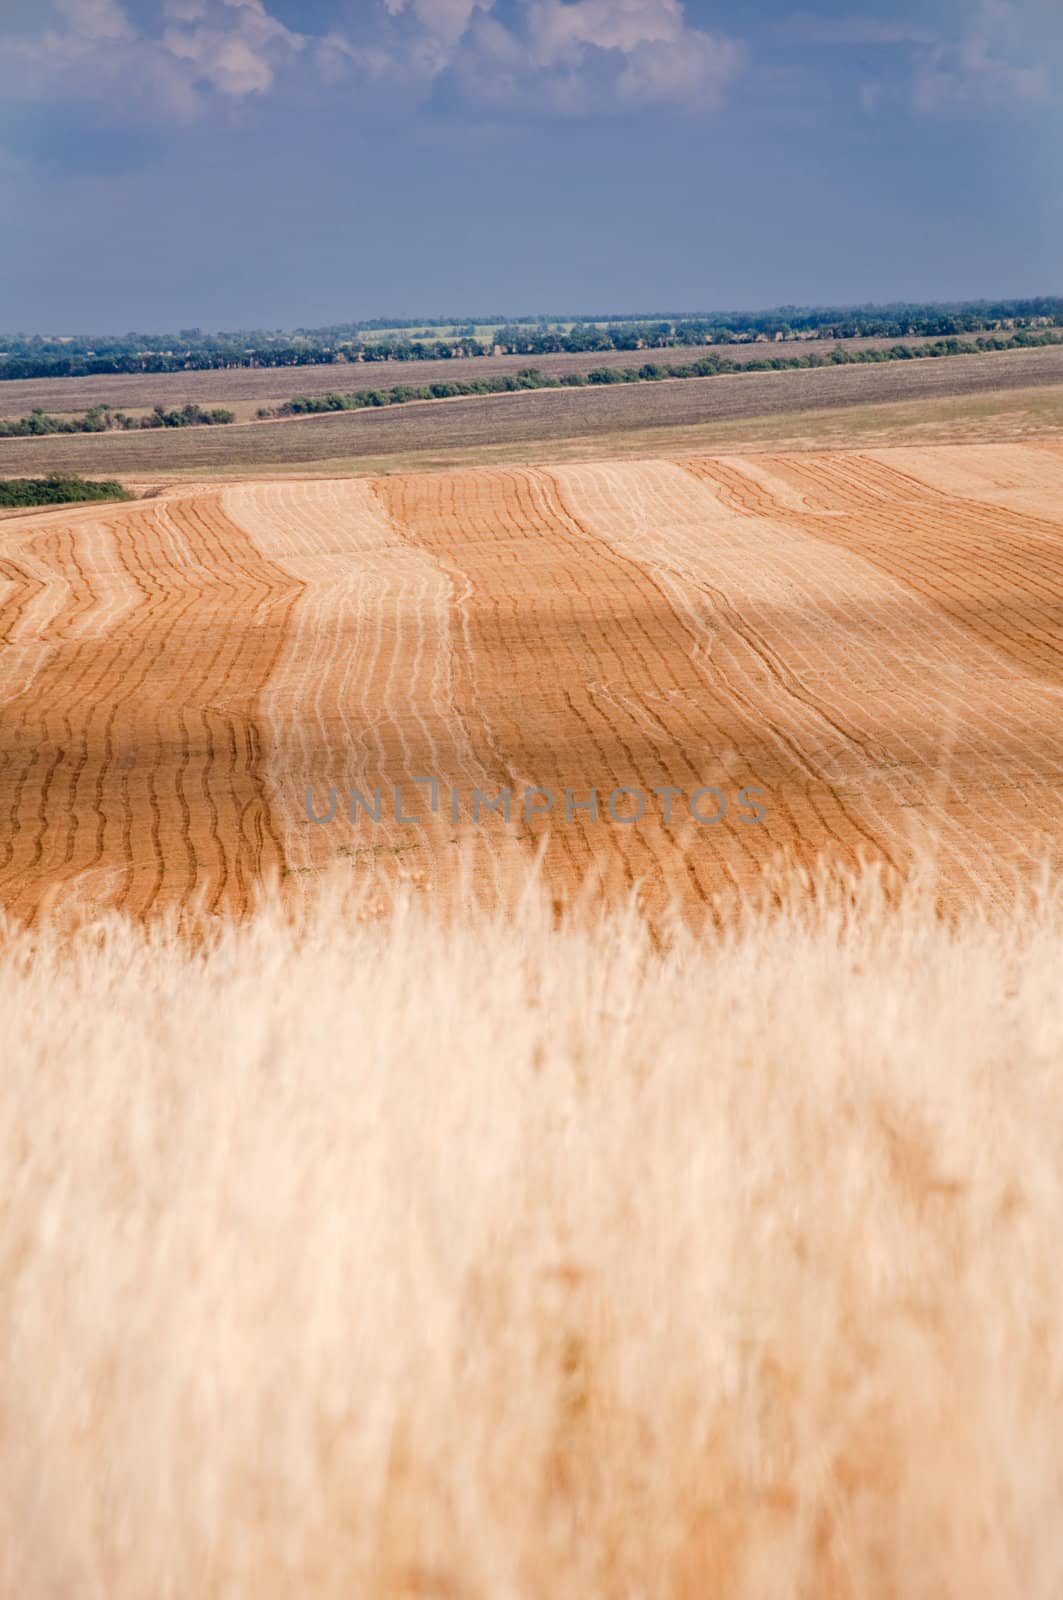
(545, 415)
(245, 389)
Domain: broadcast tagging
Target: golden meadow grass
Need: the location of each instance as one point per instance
(404, 1255)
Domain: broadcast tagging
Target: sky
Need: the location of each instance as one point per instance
(238, 164)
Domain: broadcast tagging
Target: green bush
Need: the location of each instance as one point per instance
(56, 491)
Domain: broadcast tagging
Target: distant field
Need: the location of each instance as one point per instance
(519, 419)
(244, 389)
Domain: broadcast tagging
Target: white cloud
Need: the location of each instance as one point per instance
(694, 70)
(639, 51)
(568, 57)
(992, 62)
(557, 30)
(234, 54)
(987, 66)
(97, 19)
(563, 56)
(445, 20)
(230, 48)
(547, 56)
(225, 60)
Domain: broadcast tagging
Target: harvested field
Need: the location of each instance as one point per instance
(244, 389)
(873, 640)
(533, 416)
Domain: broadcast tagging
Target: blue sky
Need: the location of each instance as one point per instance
(243, 163)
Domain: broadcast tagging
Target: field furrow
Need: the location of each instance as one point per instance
(997, 569)
(868, 643)
(129, 759)
(557, 649)
(367, 695)
(958, 604)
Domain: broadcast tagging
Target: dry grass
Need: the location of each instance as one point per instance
(376, 1256)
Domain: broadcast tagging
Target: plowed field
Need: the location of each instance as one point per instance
(244, 389)
(873, 640)
(553, 416)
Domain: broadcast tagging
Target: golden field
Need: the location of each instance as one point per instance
(870, 640)
(349, 1254)
(553, 1207)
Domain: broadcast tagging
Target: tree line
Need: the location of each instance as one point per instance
(101, 419)
(649, 372)
(37, 356)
